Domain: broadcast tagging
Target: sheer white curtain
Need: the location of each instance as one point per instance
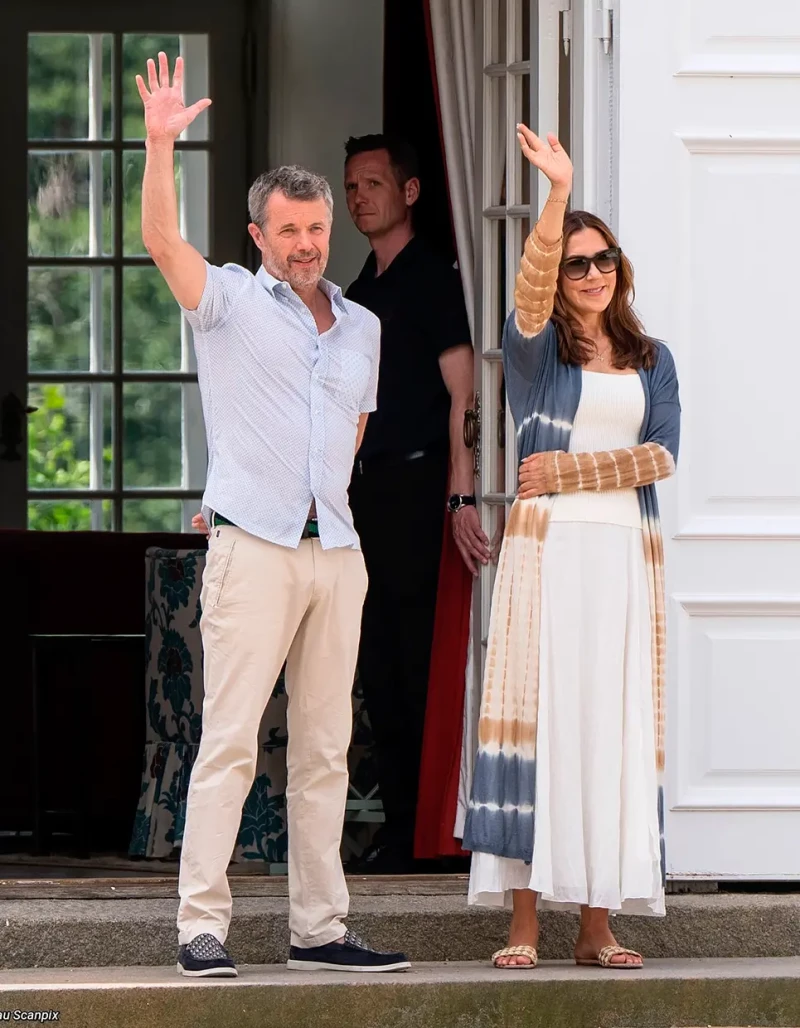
(453, 33)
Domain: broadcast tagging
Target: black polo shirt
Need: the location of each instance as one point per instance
(420, 303)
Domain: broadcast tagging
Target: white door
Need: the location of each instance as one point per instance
(709, 211)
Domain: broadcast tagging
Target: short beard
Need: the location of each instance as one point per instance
(298, 277)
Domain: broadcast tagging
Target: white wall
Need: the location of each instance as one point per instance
(325, 83)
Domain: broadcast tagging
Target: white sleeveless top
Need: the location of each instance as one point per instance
(609, 417)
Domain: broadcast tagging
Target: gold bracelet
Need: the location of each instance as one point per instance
(553, 199)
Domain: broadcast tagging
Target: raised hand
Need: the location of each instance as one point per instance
(549, 157)
(165, 115)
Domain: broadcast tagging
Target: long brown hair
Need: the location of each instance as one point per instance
(630, 346)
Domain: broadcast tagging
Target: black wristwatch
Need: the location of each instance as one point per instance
(458, 500)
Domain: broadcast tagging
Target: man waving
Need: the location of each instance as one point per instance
(288, 373)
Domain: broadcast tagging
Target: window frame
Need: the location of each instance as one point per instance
(118, 377)
(533, 33)
(232, 34)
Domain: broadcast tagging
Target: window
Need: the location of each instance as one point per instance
(117, 439)
(524, 76)
(505, 183)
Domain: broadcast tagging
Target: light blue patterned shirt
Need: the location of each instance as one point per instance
(281, 404)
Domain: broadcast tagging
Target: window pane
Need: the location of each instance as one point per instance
(69, 436)
(195, 455)
(188, 510)
(191, 184)
(502, 280)
(135, 51)
(60, 515)
(193, 198)
(494, 137)
(152, 434)
(494, 428)
(152, 516)
(494, 27)
(494, 520)
(564, 99)
(151, 322)
(69, 86)
(494, 281)
(69, 319)
(69, 204)
(132, 172)
(69, 515)
(520, 229)
(523, 113)
(520, 45)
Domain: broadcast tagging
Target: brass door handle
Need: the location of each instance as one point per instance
(471, 427)
(472, 432)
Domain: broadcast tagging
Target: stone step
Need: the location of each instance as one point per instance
(666, 993)
(425, 920)
(241, 884)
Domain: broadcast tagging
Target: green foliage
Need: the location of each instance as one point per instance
(53, 460)
(55, 463)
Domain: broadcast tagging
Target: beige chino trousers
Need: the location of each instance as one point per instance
(263, 605)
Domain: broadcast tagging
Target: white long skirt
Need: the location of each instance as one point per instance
(596, 839)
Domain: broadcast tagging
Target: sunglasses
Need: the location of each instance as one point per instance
(576, 268)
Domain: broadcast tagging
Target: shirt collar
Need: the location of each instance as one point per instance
(409, 253)
(273, 285)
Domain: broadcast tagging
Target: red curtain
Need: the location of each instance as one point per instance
(441, 750)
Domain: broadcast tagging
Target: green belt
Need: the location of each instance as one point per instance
(311, 530)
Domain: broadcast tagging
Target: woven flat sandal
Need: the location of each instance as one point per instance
(516, 951)
(605, 959)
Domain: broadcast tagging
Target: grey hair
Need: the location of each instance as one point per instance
(294, 182)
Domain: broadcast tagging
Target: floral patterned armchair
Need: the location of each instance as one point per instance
(174, 697)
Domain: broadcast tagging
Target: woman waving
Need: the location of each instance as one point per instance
(566, 809)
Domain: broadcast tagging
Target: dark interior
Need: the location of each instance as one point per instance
(90, 706)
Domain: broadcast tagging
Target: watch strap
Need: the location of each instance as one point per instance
(460, 500)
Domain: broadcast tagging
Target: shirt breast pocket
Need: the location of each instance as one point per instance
(348, 378)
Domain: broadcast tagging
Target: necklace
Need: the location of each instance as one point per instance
(602, 357)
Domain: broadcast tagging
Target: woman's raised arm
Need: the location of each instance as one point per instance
(537, 279)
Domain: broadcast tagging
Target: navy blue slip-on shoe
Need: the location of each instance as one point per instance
(205, 957)
(352, 954)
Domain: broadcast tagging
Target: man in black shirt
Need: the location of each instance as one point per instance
(413, 457)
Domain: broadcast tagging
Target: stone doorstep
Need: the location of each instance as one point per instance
(423, 973)
(664, 994)
(130, 932)
(241, 885)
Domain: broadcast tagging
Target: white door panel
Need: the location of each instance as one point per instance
(708, 842)
(709, 211)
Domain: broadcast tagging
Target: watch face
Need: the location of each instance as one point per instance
(454, 503)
